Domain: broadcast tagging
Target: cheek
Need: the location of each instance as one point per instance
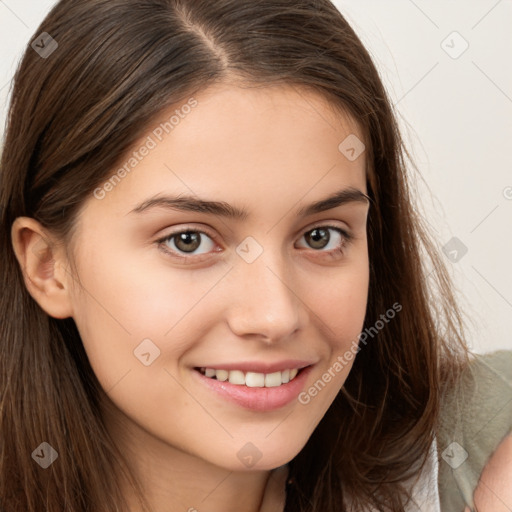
(340, 310)
(135, 324)
(341, 303)
(126, 301)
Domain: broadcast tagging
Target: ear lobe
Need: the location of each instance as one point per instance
(42, 263)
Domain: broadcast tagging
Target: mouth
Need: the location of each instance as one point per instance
(251, 379)
(260, 392)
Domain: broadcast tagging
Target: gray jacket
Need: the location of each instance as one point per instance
(475, 417)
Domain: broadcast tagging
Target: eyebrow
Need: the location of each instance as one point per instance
(222, 209)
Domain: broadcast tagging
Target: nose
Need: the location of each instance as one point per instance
(263, 302)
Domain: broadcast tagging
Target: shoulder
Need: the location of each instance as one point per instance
(475, 417)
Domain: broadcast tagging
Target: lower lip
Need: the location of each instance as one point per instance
(258, 399)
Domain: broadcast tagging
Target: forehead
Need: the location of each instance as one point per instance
(249, 112)
(241, 144)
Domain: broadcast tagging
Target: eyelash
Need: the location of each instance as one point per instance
(333, 253)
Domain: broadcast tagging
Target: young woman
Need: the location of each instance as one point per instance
(215, 291)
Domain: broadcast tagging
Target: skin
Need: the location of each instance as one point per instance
(271, 150)
(493, 492)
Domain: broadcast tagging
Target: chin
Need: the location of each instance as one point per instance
(260, 454)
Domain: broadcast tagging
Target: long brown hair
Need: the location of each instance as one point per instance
(72, 117)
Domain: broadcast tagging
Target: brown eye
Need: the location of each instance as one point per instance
(329, 241)
(183, 243)
(318, 238)
(187, 241)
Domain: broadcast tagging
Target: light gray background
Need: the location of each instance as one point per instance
(456, 118)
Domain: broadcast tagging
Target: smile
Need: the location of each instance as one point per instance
(251, 379)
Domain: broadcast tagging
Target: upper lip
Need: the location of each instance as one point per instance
(260, 366)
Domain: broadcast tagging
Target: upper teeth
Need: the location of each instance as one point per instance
(251, 379)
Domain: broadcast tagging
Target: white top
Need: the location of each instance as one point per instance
(426, 491)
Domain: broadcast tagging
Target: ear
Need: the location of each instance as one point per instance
(44, 266)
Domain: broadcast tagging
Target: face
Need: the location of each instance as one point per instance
(255, 286)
